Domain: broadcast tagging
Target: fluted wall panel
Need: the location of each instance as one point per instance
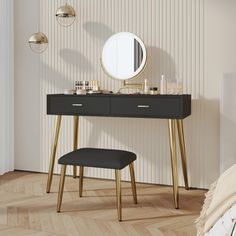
(173, 31)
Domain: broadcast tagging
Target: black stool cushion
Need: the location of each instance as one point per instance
(96, 157)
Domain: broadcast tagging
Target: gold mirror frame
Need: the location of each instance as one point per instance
(127, 85)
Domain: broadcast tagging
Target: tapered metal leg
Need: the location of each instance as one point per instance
(172, 136)
(183, 151)
(133, 184)
(61, 187)
(75, 146)
(118, 194)
(81, 180)
(53, 153)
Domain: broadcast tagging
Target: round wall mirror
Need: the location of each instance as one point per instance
(124, 56)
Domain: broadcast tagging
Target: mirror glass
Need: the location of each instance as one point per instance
(124, 56)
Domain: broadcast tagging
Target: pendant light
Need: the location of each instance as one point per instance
(65, 15)
(38, 42)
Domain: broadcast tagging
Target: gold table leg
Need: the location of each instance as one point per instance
(81, 180)
(132, 175)
(61, 187)
(118, 194)
(183, 151)
(53, 153)
(75, 146)
(172, 136)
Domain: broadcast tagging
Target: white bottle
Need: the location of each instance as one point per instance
(146, 87)
(163, 89)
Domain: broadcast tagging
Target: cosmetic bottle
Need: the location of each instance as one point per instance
(145, 87)
(153, 91)
(163, 87)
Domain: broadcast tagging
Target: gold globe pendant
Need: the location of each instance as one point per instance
(38, 42)
(65, 15)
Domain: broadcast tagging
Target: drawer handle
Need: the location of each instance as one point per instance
(77, 104)
(143, 106)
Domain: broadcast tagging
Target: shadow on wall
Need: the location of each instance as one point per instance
(98, 30)
(54, 77)
(160, 63)
(76, 61)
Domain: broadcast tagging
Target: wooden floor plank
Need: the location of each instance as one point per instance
(25, 208)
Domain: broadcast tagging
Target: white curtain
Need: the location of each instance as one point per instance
(6, 86)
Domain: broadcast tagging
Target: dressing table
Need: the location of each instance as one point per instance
(124, 57)
(174, 108)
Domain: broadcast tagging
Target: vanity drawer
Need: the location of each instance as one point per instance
(77, 105)
(157, 107)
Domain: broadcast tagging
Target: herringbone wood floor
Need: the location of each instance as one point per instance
(25, 208)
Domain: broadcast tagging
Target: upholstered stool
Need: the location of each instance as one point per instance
(102, 158)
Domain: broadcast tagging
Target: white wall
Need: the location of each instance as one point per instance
(27, 114)
(6, 87)
(228, 122)
(223, 54)
(182, 37)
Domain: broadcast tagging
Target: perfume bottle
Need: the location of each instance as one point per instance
(145, 87)
(163, 87)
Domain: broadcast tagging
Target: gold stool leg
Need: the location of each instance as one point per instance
(183, 151)
(61, 187)
(53, 153)
(132, 175)
(75, 146)
(118, 194)
(172, 136)
(81, 180)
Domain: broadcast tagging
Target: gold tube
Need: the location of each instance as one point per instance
(75, 145)
(61, 187)
(133, 183)
(53, 153)
(172, 137)
(127, 85)
(183, 151)
(81, 180)
(118, 194)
